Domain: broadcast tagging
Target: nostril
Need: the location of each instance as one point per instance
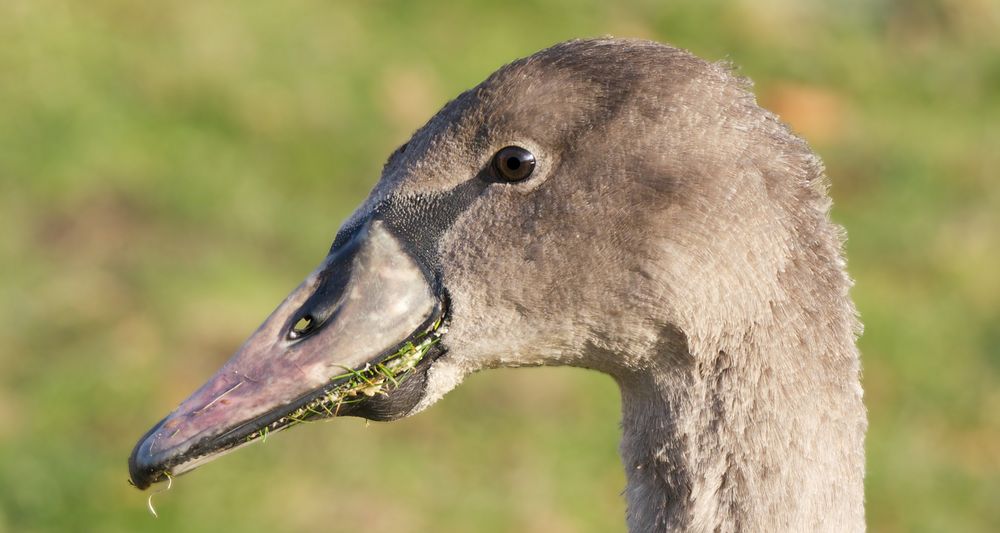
(303, 326)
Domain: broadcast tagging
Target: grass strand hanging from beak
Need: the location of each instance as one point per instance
(149, 500)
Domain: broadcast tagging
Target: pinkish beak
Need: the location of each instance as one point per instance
(368, 297)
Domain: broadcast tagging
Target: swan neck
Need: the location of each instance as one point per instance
(745, 441)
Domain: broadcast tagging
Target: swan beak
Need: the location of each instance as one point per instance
(366, 300)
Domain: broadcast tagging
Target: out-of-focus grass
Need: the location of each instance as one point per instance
(169, 171)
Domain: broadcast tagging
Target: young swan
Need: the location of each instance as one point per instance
(611, 204)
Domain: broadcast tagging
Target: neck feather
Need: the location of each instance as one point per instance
(758, 430)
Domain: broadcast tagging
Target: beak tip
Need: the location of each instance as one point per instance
(142, 468)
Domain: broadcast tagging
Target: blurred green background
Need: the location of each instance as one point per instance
(169, 171)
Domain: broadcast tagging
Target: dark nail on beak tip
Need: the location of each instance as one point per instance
(142, 472)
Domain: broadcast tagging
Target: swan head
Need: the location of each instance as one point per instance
(583, 206)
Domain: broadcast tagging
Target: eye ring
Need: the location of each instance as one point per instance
(513, 163)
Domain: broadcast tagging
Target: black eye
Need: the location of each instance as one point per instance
(513, 163)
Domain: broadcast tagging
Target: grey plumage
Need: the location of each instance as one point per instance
(673, 235)
(676, 237)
